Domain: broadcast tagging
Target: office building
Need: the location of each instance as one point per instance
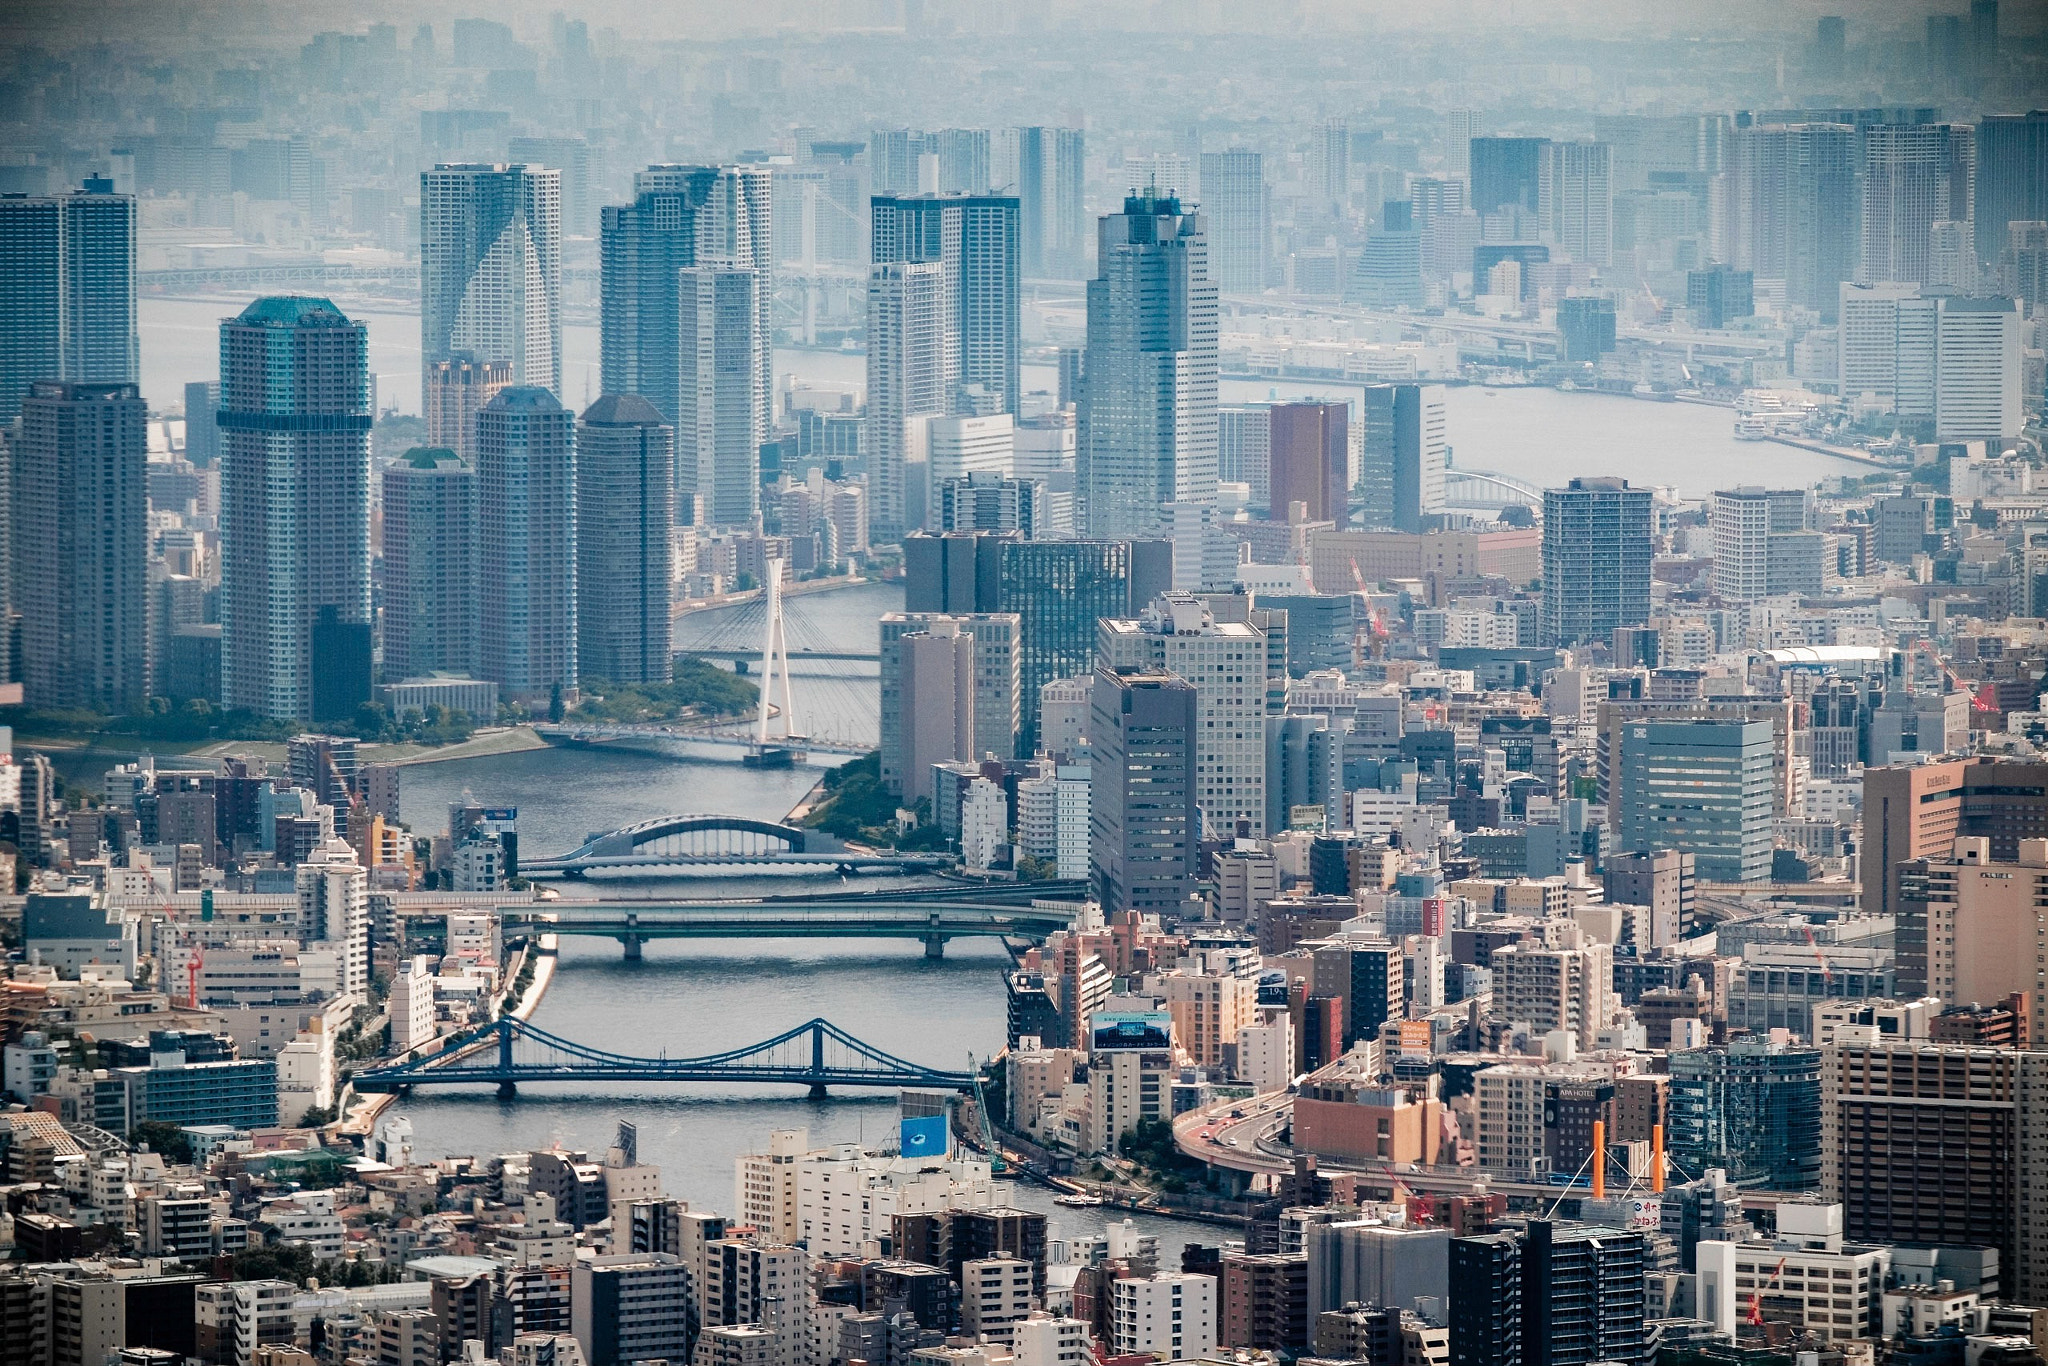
(67, 291)
(1914, 176)
(1309, 461)
(1046, 168)
(1718, 294)
(457, 390)
(1238, 209)
(1406, 450)
(491, 272)
(295, 507)
(631, 1307)
(1979, 920)
(950, 693)
(1222, 660)
(334, 914)
(1507, 174)
(1148, 395)
(2012, 177)
(1144, 818)
(1460, 127)
(956, 447)
(624, 515)
(1058, 589)
(1576, 199)
(1977, 383)
(1918, 812)
(910, 381)
(1244, 451)
(430, 583)
(526, 547)
(721, 414)
(1808, 1276)
(202, 431)
(1389, 271)
(1701, 786)
(1357, 1262)
(1549, 1295)
(1585, 328)
(974, 238)
(1751, 1108)
(1794, 189)
(722, 214)
(1596, 560)
(81, 506)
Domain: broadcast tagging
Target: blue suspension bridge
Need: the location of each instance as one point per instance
(816, 1054)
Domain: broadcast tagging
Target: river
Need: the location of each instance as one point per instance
(1543, 436)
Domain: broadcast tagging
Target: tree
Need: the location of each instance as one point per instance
(162, 1137)
(555, 702)
(317, 1117)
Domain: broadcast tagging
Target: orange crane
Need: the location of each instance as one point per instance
(1978, 700)
(1827, 974)
(1756, 1297)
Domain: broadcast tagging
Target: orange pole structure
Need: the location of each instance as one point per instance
(1657, 1160)
(1599, 1159)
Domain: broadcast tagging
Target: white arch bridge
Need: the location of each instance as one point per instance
(1465, 488)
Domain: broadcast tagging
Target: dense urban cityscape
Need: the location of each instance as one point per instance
(906, 683)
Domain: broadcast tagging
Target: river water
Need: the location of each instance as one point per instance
(1539, 435)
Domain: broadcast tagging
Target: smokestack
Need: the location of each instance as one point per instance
(1657, 1159)
(1599, 1159)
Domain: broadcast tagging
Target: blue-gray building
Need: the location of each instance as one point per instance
(1596, 559)
(1144, 827)
(1702, 787)
(1751, 1109)
(173, 1091)
(1319, 629)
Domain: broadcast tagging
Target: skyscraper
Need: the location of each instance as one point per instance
(721, 420)
(974, 238)
(1058, 589)
(680, 215)
(456, 391)
(1144, 824)
(1309, 460)
(1914, 176)
(624, 511)
(2012, 177)
(526, 552)
(491, 271)
(67, 290)
(1977, 370)
(1576, 196)
(202, 432)
(1507, 173)
(1148, 396)
(1596, 560)
(1219, 659)
(1795, 209)
(1401, 476)
(295, 501)
(1547, 1296)
(1046, 169)
(1238, 214)
(909, 380)
(430, 547)
(1460, 127)
(80, 572)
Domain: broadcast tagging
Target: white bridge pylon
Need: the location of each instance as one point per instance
(775, 663)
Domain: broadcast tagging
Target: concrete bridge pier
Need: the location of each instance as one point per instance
(934, 947)
(818, 1091)
(507, 1091)
(632, 943)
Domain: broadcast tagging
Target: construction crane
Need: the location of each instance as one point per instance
(996, 1165)
(1978, 702)
(1826, 974)
(1756, 1297)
